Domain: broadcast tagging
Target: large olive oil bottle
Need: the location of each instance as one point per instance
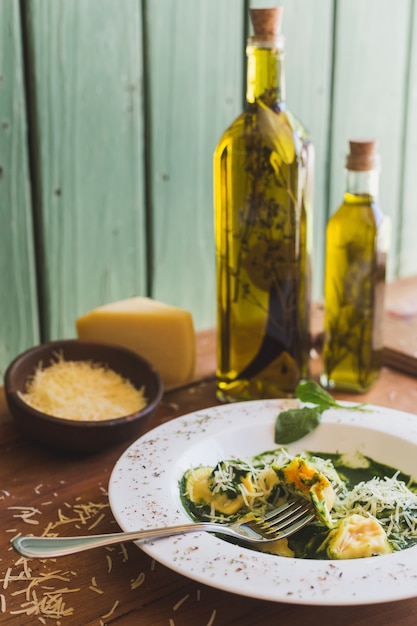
(263, 187)
(356, 250)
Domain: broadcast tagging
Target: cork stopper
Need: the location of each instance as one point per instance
(267, 23)
(363, 155)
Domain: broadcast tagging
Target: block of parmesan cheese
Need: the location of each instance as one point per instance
(161, 333)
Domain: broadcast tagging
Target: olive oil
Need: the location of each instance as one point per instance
(262, 187)
(356, 251)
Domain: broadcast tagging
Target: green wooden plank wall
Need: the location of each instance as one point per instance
(110, 112)
(19, 325)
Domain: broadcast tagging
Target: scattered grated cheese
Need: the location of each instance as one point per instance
(124, 552)
(62, 518)
(94, 586)
(390, 501)
(82, 390)
(50, 605)
(212, 618)
(112, 610)
(26, 513)
(7, 578)
(80, 513)
(180, 602)
(96, 522)
(42, 596)
(15, 536)
(137, 582)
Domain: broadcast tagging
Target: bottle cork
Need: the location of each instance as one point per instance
(362, 156)
(266, 23)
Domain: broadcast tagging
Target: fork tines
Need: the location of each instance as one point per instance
(286, 519)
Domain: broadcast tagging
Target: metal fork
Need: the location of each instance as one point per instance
(283, 521)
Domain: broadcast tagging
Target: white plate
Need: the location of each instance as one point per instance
(144, 493)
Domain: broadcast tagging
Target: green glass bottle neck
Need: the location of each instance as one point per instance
(361, 186)
(265, 74)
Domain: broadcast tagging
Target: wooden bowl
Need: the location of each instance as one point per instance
(78, 435)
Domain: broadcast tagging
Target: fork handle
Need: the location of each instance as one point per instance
(51, 547)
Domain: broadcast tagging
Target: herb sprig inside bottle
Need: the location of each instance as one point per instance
(293, 424)
(263, 175)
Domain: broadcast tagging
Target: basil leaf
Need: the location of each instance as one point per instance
(293, 424)
(310, 391)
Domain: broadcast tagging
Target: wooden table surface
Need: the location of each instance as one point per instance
(41, 489)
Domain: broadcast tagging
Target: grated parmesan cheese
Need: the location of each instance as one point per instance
(82, 390)
(138, 581)
(42, 595)
(180, 602)
(390, 501)
(212, 618)
(112, 610)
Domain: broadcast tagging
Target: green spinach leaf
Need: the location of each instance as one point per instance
(293, 424)
(310, 391)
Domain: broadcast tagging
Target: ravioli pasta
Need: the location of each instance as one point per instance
(355, 518)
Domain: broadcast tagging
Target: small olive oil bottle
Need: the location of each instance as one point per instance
(356, 251)
(262, 195)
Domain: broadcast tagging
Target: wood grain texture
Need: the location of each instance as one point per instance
(87, 69)
(18, 298)
(369, 91)
(121, 584)
(196, 86)
(123, 581)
